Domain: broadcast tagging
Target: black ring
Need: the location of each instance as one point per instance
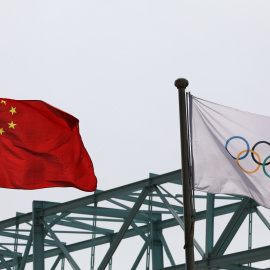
(252, 155)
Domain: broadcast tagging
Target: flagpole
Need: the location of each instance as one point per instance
(181, 85)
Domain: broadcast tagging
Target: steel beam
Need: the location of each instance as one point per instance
(166, 248)
(4, 262)
(161, 179)
(218, 211)
(209, 235)
(58, 218)
(263, 218)
(26, 251)
(101, 211)
(60, 245)
(9, 253)
(123, 229)
(178, 219)
(220, 261)
(241, 267)
(138, 230)
(38, 237)
(249, 256)
(157, 204)
(56, 262)
(138, 259)
(157, 248)
(72, 223)
(231, 228)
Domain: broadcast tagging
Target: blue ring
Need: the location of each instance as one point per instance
(237, 137)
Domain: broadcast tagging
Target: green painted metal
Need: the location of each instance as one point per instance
(231, 229)
(63, 263)
(4, 262)
(150, 232)
(157, 248)
(134, 215)
(26, 251)
(262, 217)
(60, 245)
(110, 262)
(241, 267)
(38, 237)
(137, 229)
(168, 194)
(92, 261)
(9, 253)
(221, 262)
(139, 257)
(209, 234)
(250, 232)
(178, 219)
(217, 197)
(74, 204)
(123, 229)
(166, 248)
(15, 258)
(56, 262)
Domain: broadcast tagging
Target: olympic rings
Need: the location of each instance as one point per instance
(258, 161)
(237, 137)
(264, 163)
(253, 152)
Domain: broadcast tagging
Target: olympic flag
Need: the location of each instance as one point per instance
(230, 151)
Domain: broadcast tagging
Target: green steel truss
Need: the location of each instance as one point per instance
(149, 211)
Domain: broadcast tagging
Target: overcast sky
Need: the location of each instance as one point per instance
(112, 64)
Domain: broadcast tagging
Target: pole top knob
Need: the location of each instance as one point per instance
(181, 83)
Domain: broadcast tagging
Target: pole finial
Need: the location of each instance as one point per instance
(181, 83)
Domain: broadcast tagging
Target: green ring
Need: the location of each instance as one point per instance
(264, 167)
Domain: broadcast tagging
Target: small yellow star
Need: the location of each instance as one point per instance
(1, 131)
(3, 101)
(11, 125)
(13, 110)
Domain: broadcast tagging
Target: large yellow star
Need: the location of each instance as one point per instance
(3, 101)
(13, 110)
(1, 131)
(11, 125)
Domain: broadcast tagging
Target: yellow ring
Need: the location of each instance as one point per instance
(244, 151)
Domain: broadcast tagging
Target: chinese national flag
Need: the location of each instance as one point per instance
(40, 147)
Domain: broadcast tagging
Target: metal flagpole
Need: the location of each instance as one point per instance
(181, 85)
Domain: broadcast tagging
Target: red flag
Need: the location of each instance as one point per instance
(40, 147)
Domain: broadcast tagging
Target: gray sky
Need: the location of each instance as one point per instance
(112, 64)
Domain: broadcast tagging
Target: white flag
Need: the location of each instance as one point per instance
(231, 151)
